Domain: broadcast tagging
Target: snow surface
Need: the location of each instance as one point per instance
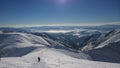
(51, 58)
(29, 47)
(112, 39)
(106, 48)
(1, 32)
(19, 44)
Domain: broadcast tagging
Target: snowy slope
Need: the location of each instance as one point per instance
(1, 32)
(52, 58)
(105, 48)
(24, 49)
(19, 44)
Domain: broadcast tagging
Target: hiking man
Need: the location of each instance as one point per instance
(38, 59)
(0, 57)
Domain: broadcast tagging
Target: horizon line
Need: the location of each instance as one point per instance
(38, 25)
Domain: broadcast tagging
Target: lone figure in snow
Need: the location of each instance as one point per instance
(38, 59)
(0, 57)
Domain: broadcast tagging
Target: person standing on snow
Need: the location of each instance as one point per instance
(0, 57)
(38, 59)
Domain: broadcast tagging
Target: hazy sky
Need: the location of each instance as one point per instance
(58, 12)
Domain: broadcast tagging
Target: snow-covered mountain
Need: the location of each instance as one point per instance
(99, 45)
(51, 58)
(46, 28)
(105, 48)
(75, 49)
(92, 43)
(19, 44)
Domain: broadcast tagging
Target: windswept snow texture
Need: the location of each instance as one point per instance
(99, 45)
(19, 44)
(105, 48)
(76, 49)
(51, 58)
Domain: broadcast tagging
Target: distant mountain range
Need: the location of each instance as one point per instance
(99, 43)
(102, 27)
(45, 28)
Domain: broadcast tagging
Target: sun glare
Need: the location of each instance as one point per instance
(62, 1)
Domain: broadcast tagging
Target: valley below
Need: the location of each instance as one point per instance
(60, 47)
